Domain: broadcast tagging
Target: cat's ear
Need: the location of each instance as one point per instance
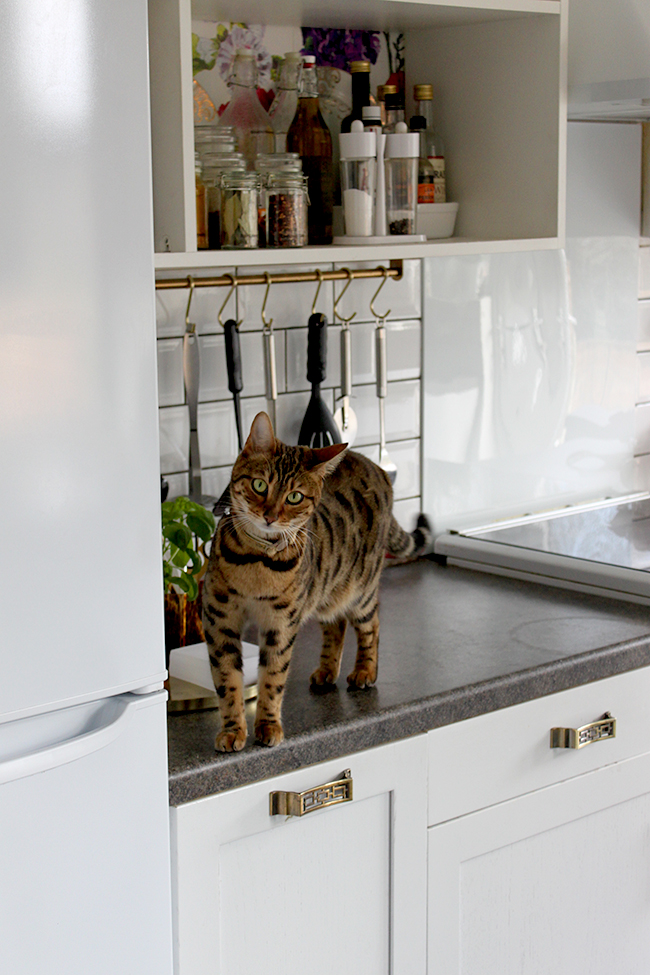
(325, 459)
(261, 439)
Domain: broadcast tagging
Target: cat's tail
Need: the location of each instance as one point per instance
(405, 545)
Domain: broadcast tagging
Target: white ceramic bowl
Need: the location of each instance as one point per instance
(436, 219)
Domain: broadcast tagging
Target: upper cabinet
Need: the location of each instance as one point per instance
(498, 68)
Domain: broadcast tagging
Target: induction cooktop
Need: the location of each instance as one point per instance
(601, 547)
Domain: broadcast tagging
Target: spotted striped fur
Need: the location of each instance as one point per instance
(306, 537)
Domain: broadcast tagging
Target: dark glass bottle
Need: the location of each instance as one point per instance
(360, 71)
(309, 136)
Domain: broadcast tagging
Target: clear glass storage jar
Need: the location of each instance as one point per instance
(286, 210)
(239, 210)
(267, 163)
(215, 165)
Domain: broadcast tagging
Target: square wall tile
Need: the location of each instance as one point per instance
(174, 431)
(296, 339)
(406, 457)
(214, 376)
(406, 513)
(215, 480)
(171, 306)
(178, 485)
(401, 297)
(402, 408)
(291, 409)
(288, 305)
(171, 388)
(217, 434)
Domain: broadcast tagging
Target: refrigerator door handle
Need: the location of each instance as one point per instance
(72, 749)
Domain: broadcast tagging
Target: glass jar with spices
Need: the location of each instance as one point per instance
(266, 164)
(215, 165)
(286, 210)
(239, 210)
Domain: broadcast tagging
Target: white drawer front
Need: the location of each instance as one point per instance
(507, 753)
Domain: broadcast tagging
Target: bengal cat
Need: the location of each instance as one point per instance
(306, 536)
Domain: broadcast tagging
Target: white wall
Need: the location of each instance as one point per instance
(529, 369)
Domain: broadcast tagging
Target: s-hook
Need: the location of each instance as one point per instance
(337, 313)
(375, 313)
(233, 287)
(269, 356)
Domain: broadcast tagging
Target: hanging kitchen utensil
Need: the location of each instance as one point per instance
(269, 358)
(385, 461)
(345, 417)
(235, 385)
(318, 427)
(192, 378)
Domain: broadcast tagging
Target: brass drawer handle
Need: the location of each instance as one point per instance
(599, 730)
(301, 803)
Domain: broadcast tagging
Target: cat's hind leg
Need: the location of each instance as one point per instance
(365, 620)
(330, 659)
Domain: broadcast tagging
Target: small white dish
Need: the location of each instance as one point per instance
(436, 220)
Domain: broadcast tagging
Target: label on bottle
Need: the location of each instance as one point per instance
(426, 193)
(439, 180)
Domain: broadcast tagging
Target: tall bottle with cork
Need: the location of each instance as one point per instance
(245, 113)
(423, 95)
(310, 137)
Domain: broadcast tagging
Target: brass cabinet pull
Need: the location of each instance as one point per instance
(599, 730)
(301, 803)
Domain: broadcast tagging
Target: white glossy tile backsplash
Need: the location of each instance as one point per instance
(289, 307)
(530, 381)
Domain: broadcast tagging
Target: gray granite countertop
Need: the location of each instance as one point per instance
(454, 644)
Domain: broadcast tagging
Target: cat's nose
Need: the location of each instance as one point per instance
(269, 519)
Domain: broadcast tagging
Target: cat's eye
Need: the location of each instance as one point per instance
(295, 497)
(258, 485)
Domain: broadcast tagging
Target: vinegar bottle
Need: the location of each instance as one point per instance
(309, 136)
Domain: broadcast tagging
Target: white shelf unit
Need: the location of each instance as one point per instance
(498, 68)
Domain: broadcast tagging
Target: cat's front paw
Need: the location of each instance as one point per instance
(363, 676)
(324, 675)
(231, 740)
(269, 732)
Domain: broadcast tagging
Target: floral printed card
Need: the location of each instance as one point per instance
(214, 46)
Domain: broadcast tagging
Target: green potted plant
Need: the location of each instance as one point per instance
(186, 527)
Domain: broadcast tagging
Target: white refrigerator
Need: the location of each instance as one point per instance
(84, 844)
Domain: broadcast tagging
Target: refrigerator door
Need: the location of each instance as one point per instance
(84, 840)
(81, 595)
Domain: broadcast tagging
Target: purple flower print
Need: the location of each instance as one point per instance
(336, 48)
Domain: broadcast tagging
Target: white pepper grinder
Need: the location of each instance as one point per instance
(401, 167)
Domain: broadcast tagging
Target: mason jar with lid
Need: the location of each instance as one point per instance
(239, 209)
(265, 164)
(211, 137)
(213, 168)
(286, 209)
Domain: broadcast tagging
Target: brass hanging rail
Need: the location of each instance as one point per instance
(394, 271)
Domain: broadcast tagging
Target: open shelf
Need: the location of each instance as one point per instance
(498, 68)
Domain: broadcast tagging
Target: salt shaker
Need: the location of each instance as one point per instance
(401, 166)
(358, 171)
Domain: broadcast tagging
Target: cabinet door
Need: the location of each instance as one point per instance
(551, 883)
(339, 889)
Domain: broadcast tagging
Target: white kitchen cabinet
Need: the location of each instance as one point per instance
(554, 880)
(498, 68)
(342, 888)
